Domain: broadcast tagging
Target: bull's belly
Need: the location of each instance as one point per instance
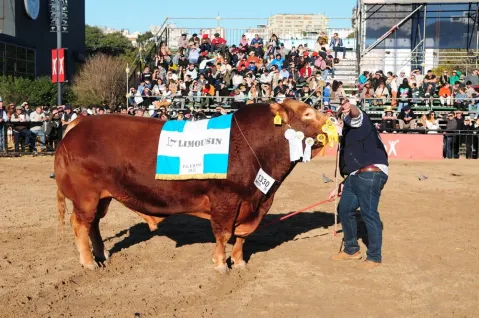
(198, 206)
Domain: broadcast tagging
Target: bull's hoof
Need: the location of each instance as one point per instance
(102, 261)
(222, 269)
(91, 266)
(239, 265)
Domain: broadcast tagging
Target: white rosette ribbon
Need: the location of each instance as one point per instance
(307, 150)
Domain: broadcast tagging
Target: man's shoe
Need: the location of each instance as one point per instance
(367, 264)
(346, 257)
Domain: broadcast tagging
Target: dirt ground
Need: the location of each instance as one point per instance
(430, 254)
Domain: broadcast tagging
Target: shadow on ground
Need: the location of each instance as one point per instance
(187, 230)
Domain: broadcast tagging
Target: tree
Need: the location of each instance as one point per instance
(114, 44)
(351, 35)
(40, 91)
(145, 37)
(102, 78)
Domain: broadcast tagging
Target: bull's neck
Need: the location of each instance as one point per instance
(268, 143)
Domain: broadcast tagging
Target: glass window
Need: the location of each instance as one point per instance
(21, 53)
(11, 51)
(10, 65)
(31, 67)
(21, 66)
(30, 55)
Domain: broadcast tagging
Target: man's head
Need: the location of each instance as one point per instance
(25, 105)
(19, 109)
(68, 109)
(336, 35)
(256, 36)
(278, 56)
(38, 109)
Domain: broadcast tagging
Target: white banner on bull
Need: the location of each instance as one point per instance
(194, 150)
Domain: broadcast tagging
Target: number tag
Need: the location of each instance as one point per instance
(263, 181)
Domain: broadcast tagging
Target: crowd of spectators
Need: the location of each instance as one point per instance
(207, 70)
(454, 90)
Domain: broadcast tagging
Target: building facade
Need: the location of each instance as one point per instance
(289, 26)
(26, 41)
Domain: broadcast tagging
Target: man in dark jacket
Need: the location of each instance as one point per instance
(363, 161)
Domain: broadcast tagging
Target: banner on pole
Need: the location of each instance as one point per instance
(58, 65)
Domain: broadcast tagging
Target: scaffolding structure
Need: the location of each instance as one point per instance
(396, 35)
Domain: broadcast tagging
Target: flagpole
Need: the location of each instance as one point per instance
(59, 45)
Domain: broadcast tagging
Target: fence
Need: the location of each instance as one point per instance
(12, 140)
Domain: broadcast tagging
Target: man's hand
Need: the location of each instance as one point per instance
(335, 192)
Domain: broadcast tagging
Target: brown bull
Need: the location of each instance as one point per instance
(114, 156)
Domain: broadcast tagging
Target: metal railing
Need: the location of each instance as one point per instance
(13, 140)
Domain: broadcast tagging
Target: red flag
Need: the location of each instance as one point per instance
(58, 65)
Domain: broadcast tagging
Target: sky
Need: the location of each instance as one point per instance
(138, 15)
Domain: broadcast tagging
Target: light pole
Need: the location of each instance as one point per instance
(59, 9)
(127, 70)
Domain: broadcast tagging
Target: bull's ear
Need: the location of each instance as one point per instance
(278, 109)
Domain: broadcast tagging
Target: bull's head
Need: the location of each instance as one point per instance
(302, 117)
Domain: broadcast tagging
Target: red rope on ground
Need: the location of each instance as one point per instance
(296, 212)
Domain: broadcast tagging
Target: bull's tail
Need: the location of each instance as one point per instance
(62, 208)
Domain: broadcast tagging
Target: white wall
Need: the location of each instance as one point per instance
(7, 24)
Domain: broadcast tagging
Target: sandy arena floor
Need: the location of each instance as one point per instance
(430, 254)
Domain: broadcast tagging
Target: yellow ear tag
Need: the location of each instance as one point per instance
(277, 120)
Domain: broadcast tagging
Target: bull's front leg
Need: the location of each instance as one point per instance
(222, 225)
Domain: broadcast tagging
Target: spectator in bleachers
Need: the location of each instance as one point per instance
(258, 40)
(381, 94)
(39, 116)
(367, 94)
(337, 94)
(274, 41)
(337, 45)
(218, 43)
(445, 94)
(460, 100)
(429, 95)
(444, 79)
(3, 120)
(400, 79)
(416, 94)
(429, 79)
(473, 78)
(432, 123)
(183, 41)
(407, 118)
(22, 131)
(405, 94)
(455, 77)
(388, 120)
(422, 122)
(393, 87)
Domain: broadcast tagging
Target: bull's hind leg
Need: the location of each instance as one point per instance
(81, 227)
(95, 236)
(83, 216)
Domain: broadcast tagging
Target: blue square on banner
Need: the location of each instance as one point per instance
(167, 165)
(215, 163)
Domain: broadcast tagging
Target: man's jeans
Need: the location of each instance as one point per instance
(41, 134)
(339, 49)
(362, 190)
(29, 139)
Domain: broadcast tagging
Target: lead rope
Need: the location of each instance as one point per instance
(244, 137)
